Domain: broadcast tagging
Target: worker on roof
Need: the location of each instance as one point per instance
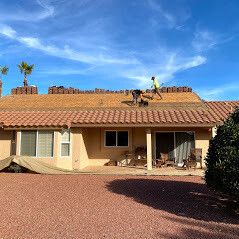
(136, 95)
(156, 87)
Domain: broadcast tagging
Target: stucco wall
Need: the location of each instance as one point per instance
(79, 149)
(5, 143)
(87, 145)
(202, 138)
(98, 154)
(56, 160)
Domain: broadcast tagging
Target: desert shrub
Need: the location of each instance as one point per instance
(222, 159)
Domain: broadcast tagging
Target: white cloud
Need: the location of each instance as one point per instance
(204, 40)
(167, 18)
(18, 14)
(165, 70)
(48, 9)
(142, 81)
(219, 92)
(165, 14)
(67, 71)
(7, 31)
(66, 52)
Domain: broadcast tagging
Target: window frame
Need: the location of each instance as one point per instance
(174, 143)
(52, 144)
(116, 135)
(37, 132)
(66, 142)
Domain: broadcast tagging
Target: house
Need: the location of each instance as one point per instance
(72, 129)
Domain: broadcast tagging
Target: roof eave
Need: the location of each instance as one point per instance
(197, 125)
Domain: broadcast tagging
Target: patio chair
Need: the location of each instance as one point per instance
(166, 160)
(194, 157)
(139, 157)
(127, 157)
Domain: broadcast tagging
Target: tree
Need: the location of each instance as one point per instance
(223, 157)
(25, 69)
(3, 71)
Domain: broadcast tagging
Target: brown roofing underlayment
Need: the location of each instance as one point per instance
(71, 101)
(69, 110)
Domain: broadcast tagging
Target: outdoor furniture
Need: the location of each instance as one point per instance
(137, 157)
(194, 157)
(166, 161)
(127, 158)
(170, 163)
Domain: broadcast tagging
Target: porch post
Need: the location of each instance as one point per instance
(149, 149)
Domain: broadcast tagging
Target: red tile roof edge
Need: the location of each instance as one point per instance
(217, 112)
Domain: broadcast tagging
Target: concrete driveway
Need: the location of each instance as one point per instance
(104, 206)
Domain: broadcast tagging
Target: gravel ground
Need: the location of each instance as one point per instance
(101, 206)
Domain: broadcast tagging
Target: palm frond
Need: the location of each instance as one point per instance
(4, 70)
(25, 68)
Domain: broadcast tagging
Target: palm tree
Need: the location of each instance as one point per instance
(26, 70)
(3, 71)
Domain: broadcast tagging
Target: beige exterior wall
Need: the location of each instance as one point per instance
(98, 154)
(202, 138)
(87, 145)
(5, 143)
(79, 149)
(56, 160)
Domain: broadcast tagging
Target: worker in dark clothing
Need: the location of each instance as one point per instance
(136, 95)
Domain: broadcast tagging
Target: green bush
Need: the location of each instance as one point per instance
(223, 157)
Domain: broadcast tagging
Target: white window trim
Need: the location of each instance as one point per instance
(116, 139)
(37, 131)
(66, 142)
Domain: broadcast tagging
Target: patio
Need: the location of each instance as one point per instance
(164, 171)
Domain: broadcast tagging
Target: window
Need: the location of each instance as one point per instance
(116, 138)
(110, 138)
(65, 143)
(45, 144)
(28, 143)
(37, 143)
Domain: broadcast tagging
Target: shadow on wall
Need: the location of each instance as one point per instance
(185, 199)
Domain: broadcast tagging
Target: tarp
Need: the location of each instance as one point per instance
(34, 164)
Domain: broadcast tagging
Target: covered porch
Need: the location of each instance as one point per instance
(79, 148)
(142, 148)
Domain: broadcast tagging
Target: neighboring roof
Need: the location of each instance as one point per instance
(93, 100)
(176, 109)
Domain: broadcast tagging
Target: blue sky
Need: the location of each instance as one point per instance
(120, 44)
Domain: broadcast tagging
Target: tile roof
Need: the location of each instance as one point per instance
(221, 109)
(106, 117)
(76, 110)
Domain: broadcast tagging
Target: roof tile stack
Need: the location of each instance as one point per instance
(64, 90)
(25, 90)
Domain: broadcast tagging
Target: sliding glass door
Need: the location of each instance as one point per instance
(175, 145)
(184, 142)
(165, 145)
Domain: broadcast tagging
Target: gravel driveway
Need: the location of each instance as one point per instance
(100, 206)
